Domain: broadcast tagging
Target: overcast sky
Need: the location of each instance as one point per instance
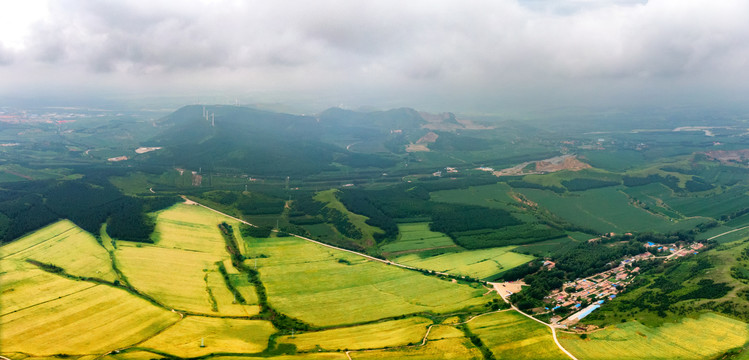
(464, 56)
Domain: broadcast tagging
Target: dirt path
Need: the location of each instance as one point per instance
(553, 329)
(727, 232)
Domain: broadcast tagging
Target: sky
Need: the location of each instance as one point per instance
(463, 56)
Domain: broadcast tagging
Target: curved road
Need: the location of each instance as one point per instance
(553, 329)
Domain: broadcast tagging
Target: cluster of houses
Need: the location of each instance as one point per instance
(586, 295)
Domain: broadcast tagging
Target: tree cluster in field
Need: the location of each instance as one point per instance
(590, 258)
(669, 180)
(522, 184)
(88, 202)
(255, 231)
(541, 283)
(254, 203)
(509, 235)
(582, 184)
(356, 201)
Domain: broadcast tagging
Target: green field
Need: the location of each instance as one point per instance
(510, 335)
(93, 320)
(492, 196)
(417, 236)
(330, 287)
(65, 245)
(219, 335)
(705, 337)
(606, 210)
(478, 264)
(371, 336)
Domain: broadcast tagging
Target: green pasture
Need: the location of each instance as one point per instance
(478, 264)
(605, 210)
(329, 287)
(705, 337)
(492, 196)
(417, 236)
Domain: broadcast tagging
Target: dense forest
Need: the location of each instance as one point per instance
(88, 202)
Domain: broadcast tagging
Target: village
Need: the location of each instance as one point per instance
(583, 296)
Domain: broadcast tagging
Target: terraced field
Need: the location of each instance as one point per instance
(703, 338)
(65, 245)
(476, 263)
(417, 236)
(510, 335)
(328, 287)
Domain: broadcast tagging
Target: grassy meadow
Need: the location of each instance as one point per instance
(329, 287)
(512, 335)
(475, 263)
(65, 245)
(415, 237)
(702, 338)
(371, 336)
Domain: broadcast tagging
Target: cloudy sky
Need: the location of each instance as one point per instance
(482, 56)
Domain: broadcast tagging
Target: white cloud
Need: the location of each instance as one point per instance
(391, 52)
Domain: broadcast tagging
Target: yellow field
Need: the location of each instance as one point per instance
(66, 245)
(307, 356)
(476, 263)
(225, 299)
(180, 282)
(94, 320)
(454, 348)
(512, 335)
(314, 283)
(372, 336)
(439, 332)
(191, 227)
(23, 285)
(220, 335)
(188, 245)
(702, 338)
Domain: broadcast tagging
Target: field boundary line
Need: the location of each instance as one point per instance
(50, 300)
